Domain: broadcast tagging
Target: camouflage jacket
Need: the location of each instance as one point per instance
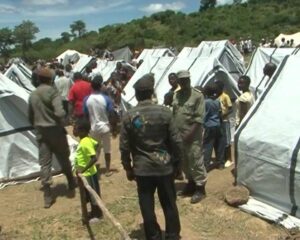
(148, 139)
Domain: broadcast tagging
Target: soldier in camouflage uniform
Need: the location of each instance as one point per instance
(188, 113)
(147, 140)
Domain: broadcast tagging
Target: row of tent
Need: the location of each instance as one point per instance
(206, 63)
(267, 141)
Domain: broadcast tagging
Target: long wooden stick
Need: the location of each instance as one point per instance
(84, 212)
(100, 203)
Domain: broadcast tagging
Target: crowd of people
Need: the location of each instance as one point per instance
(247, 46)
(158, 143)
(64, 97)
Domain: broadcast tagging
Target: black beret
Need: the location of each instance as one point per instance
(146, 82)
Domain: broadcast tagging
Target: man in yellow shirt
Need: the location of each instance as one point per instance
(226, 106)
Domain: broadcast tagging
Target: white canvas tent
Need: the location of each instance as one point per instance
(25, 70)
(224, 51)
(18, 147)
(106, 68)
(288, 37)
(155, 65)
(155, 52)
(21, 75)
(19, 151)
(82, 62)
(203, 70)
(259, 59)
(69, 56)
(122, 54)
(189, 52)
(268, 142)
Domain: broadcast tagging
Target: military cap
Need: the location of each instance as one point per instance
(146, 82)
(45, 73)
(183, 74)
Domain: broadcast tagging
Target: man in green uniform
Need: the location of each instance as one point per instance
(147, 141)
(188, 113)
(46, 114)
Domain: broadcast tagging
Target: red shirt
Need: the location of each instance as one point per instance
(77, 93)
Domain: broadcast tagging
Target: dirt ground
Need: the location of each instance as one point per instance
(22, 215)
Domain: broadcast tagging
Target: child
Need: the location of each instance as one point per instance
(226, 106)
(85, 159)
(212, 128)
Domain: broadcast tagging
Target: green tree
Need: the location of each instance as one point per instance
(206, 4)
(79, 27)
(42, 43)
(66, 37)
(6, 36)
(24, 34)
(236, 2)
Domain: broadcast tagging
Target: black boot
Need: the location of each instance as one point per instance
(188, 189)
(199, 194)
(172, 236)
(48, 199)
(72, 183)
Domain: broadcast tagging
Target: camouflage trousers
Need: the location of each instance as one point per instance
(193, 163)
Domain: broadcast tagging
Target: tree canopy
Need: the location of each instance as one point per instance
(66, 37)
(256, 19)
(78, 27)
(6, 36)
(206, 4)
(24, 34)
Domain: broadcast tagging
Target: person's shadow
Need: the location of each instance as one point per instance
(102, 171)
(137, 234)
(61, 190)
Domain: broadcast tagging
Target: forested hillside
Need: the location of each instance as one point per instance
(256, 19)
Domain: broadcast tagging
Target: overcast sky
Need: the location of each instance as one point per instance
(53, 17)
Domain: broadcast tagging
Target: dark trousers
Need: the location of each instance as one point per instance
(167, 196)
(213, 139)
(53, 140)
(93, 182)
(66, 106)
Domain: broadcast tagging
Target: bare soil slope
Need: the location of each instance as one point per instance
(22, 215)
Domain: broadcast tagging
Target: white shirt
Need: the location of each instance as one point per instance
(96, 105)
(63, 85)
(246, 98)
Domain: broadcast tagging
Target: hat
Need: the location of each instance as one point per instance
(146, 82)
(183, 74)
(45, 72)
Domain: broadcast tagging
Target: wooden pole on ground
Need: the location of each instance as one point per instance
(100, 203)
